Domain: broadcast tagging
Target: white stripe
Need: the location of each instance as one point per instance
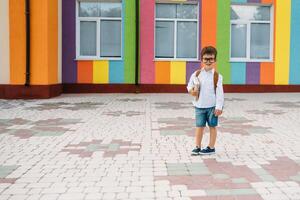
(4, 42)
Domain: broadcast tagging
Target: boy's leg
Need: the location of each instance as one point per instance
(199, 136)
(212, 121)
(212, 137)
(200, 125)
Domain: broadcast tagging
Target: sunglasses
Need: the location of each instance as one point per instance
(208, 59)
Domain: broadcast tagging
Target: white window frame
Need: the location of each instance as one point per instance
(98, 38)
(176, 20)
(248, 36)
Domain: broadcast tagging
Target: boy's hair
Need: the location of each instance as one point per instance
(209, 50)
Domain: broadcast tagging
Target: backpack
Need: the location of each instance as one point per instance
(216, 78)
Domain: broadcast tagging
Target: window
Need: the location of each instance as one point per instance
(99, 28)
(251, 33)
(176, 31)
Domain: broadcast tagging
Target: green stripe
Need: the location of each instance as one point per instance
(129, 49)
(223, 38)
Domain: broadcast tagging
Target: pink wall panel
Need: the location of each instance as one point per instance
(147, 17)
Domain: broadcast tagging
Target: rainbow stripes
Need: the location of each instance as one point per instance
(100, 72)
(177, 72)
(104, 71)
(214, 29)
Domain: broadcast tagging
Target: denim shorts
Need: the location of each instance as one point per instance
(204, 115)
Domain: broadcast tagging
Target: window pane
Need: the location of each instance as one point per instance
(164, 39)
(260, 41)
(250, 12)
(88, 38)
(165, 10)
(111, 9)
(238, 40)
(187, 40)
(88, 9)
(187, 11)
(110, 45)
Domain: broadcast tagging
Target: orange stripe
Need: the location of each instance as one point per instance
(85, 71)
(162, 72)
(53, 41)
(267, 73)
(267, 1)
(209, 23)
(44, 47)
(17, 41)
(39, 45)
(267, 70)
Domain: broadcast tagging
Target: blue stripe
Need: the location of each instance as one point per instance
(123, 29)
(238, 1)
(295, 44)
(116, 71)
(238, 73)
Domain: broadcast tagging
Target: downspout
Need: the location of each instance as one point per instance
(137, 42)
(27, 13)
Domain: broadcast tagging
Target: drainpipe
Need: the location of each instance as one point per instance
(27, 13)
(137, 42)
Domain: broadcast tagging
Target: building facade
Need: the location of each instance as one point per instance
(146, 45)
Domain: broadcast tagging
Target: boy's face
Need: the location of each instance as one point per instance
(208, 60)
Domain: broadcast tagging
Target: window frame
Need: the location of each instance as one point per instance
(248, 35)
(98, 31)
(176, 20)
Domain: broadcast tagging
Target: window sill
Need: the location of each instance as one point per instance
(96, 59)
(246, 61)
(176, 60)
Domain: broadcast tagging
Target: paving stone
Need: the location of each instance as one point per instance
(126, 146)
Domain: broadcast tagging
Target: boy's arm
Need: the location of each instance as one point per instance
(219, 94)
(190, 86)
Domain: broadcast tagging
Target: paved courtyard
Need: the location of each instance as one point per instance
(137, 146)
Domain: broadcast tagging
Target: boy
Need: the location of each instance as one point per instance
(206, 86)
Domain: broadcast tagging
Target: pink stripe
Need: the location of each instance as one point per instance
(147, 40)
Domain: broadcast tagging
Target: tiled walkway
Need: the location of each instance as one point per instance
(137, 146)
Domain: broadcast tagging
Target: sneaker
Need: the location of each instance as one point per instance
(207, 151)
(196, 151)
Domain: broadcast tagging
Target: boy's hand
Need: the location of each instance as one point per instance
(218, 112)
(194, 92)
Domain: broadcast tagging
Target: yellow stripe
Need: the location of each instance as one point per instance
(282, 42)
(178, 72)
(100, 72)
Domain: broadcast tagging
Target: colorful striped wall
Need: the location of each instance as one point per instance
(215, 30)
(98, 71)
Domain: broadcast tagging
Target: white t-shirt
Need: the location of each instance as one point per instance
(207, 98)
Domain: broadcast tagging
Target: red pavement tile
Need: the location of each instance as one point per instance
(231, 170)
(204, 198)
(86, 154)
(8, 180)
(248, 197)
(282, 168)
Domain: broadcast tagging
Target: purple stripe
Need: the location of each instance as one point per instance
(69, 67)
(190, 68)
(200, 27)
(253, 73)
(254, 1)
